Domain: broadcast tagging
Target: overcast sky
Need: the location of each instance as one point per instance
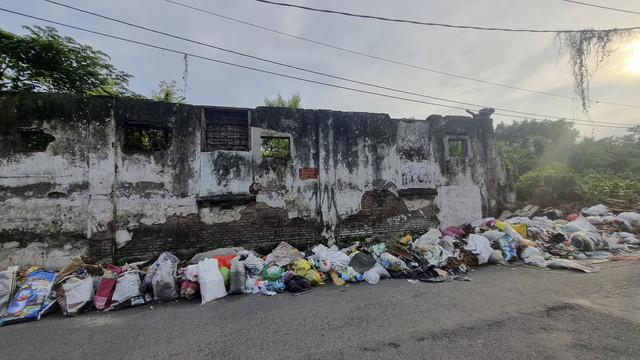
(515, 59)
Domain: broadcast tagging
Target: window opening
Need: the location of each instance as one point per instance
(455, 148)
(144, 137)
(225, 129)
(35, 140)
(275, 147)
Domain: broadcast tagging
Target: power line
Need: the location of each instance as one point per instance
(589, 123)
(308, 70)
(388, 60)
(433, 24)
(601, 7)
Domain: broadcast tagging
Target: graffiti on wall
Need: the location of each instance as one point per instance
(413, 174)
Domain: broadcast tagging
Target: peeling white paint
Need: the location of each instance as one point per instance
(122, 238)
(217, 215)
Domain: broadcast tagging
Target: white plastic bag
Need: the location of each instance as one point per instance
(127, 287)
(480, 246)
(372, 276)
(210, 280)
(78, 293)
(630, 217)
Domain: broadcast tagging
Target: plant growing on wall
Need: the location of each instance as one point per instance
(44, 60)
(168, 92)
(292, 102)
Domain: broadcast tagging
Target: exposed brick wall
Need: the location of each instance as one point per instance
(383, 216)
(260, 228)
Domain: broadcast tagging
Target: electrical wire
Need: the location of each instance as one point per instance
(601, 7)
(434, 24)
(589, 123)
(389, 60)
(311, 71)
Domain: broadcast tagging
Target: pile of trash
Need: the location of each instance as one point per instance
(547, 241)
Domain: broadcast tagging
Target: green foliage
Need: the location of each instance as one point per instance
(549, 167)
(44, 60)
(275, 147)
(293, 102)
(556, 177)
(598, 185)
(455, 148)
(168, 92)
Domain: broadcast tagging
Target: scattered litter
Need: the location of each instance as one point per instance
(592, 236)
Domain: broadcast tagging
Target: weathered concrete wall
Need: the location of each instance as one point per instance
(348, 176)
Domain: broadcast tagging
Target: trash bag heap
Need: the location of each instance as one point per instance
(549, 241)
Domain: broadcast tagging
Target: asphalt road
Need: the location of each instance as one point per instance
(508, 312)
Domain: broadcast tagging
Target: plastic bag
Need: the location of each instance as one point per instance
(301, 267)
(391, 262)
(189, 289)
(349, 274)
(146, 286)
(597, 210)
(191, 272)
(632, 218)
(127, 288)
(253, 265)
(226, 275)
(29, 300)
(587, 241)
(7, 288)
(509, 247)
(107, 286)
(224, 260)
(429, 238)
(373, 275)
(297, 284)
(285, 254)
(480, 246)
(271, 273)
(78, 293)
(314, 277)
(521, 229)
(236, 277)
(361, 262)
(320, 253)
(322, 265)
(164, 281)
(377, 250)
(210, 280)
(337, 258)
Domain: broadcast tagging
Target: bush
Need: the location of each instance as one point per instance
(559, 183)
(598, 185)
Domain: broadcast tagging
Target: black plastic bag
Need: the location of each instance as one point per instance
(298, 284)
(362, 262)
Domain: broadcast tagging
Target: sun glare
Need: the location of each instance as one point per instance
(634, 62)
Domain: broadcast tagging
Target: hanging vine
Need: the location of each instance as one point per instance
(587, 50)
(185, 73)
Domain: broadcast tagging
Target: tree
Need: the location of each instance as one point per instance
(44, 60)
(168, 92)
(293, 102)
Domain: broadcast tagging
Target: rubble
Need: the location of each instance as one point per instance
(552, 241)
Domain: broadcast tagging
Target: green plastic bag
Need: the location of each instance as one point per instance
(272, 273)
(226, 274)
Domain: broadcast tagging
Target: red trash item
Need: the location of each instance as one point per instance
(572, 217)
(224, 260)
(107, 286)
(189, 289)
